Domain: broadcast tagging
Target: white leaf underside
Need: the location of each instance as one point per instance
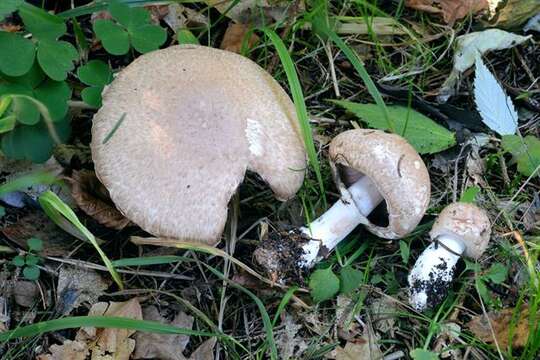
(495, 107)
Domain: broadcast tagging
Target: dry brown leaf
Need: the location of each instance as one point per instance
(245, 11)
(451, 10)
(93, 198)
(162, 346)
(180, 17)
(503, 322)
(359, 350)
(72, 350)
(514, 13)
(205, 351)
(26, 293)
(111, 343)
(234, 38)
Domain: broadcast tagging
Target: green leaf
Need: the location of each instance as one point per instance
(8, 6)
(92, 96)
(95, 73)
(24, 109)
(184, 36)
(497, 273)
(324, 284)
(405, 251)
(7, 123)
(32, 142)
(351, 279)
(31, 260)
(426, 136)
(147, 38)
(41, 24)
(113, 37)
(5, 103)
(525, 150)
(35, 244)
(2, 211)
(30, 79)
(120, 12)
(31, 272)
(56, 58)
(483, 290)
(470, 194)
(16, 54)
(421, 354)
(18, 261)
(54, 95)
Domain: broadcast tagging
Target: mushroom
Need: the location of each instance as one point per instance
(177, 131)
(369, 166)
(462, 229)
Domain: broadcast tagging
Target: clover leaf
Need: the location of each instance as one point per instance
(132, 27)
(97, 74)
(16, 54)
(55, 57)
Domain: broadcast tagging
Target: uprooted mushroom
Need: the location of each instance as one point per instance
(177, 131)
(371, 168)
(461, 229)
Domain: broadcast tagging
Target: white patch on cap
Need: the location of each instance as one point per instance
(417, 164)
(254, 135)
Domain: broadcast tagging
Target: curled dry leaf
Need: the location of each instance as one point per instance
(93, 198)
(104, 343)
(504, 323)
(234, 38)
(511, 14)
(451, 10)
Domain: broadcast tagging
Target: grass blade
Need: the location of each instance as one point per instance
(101, 322)
(299, 103)
(149, 260)
(25, 181)
(58, 211)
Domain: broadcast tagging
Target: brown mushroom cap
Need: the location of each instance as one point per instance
(194, 120)
(396, 169)
(467, 221)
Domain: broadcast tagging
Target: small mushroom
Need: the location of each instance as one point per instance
(177, 131)
(369, 166)
(461, 229)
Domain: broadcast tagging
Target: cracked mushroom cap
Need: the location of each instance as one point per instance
(466, 221)
(177, 131)
(395, 168)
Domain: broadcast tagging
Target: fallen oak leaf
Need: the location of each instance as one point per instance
(504, 323)
(93, 198)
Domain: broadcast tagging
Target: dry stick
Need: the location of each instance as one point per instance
(89, 265)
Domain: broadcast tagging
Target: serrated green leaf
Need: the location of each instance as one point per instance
(31, 272)
(351, 279)
(56, 58)
(18, 261)
(324, 284)
(95, 73)
(7, 123)
(405, 251)
(54, 95)
(35, 244)
(31, 260)
(513, 144)
(92, 96)
(113, 37)
(147, 38)
(41, 24)
(16, 54)
(421, 354)
(8, 6)
(425, 135)
(497, 273)
(184, 36)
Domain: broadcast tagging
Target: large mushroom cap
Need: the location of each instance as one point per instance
(396, 169)
(469, 223)
(178, 129)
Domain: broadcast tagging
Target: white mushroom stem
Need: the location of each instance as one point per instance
(433, 272)
(335, 224)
